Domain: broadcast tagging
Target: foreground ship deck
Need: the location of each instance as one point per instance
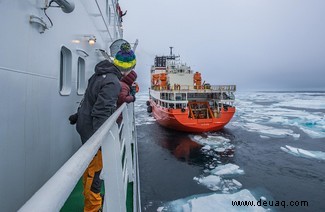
(48, 51)
(179, 100)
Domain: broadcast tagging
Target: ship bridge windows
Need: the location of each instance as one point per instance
(65, 71)
(200, 96)
(81, 83)
(180, 96)
(163, 96)
(160, 61)
(180, 105)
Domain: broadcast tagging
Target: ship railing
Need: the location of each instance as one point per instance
(230, 88)
(197, 89)
(119, 167)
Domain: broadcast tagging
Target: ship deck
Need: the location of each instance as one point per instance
(75, 202)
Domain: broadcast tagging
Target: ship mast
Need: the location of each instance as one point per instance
(171, 56)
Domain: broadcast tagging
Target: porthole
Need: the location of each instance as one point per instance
(65, 71)
(81, 80)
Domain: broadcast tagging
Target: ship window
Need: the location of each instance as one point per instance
(108, 12)
(81, 77)
(160, 61)
(65, 71)
(109, 15)
(107, 8)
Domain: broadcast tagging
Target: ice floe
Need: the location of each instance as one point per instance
(210, 140)
(216, 183)
(304, 153)
(142, 116)
(302, 110)
(227, 169)
(270, 131)
(218, 178)
(216, 143)
(212, 182)
(213, 202)
(311, 103)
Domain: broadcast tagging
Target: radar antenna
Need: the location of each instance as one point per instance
(171, 51)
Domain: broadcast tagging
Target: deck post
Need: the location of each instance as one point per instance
(128, 138)
(115, 198)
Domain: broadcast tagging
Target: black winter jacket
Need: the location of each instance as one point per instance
(100, 99)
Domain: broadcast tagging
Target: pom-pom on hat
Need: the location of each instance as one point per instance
(125, 59)
(130, 78)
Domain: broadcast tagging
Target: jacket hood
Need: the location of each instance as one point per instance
(105, 67)
(130, 78)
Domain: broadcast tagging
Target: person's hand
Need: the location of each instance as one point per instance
(132, 90)
(73, 118)
(134, 98)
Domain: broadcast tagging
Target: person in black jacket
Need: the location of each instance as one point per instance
(99, 103)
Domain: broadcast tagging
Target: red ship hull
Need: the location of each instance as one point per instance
(179, 120)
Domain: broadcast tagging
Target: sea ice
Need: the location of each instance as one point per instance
(275, 112)
(214, 202)
(206, 147)
(210, 140)
(270, 131)
(227, 169)
(304, 153)
(316, 103)
(144, 120)
(212, 182)
(160, 209)
(213, 143)
(217, 180)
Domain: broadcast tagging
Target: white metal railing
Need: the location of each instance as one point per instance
(192, 89)
(114, 141)
(223, 87)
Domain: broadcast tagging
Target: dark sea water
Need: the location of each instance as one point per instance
(274, 146)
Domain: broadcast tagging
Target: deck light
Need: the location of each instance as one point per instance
(92, 40)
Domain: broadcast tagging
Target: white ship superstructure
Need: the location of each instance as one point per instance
(48, 52)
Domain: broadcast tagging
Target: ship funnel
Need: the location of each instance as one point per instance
(67, 6)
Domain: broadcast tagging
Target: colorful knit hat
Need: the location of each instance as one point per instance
(125, 59)
(130, 78)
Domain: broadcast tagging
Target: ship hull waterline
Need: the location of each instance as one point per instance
(177, 119)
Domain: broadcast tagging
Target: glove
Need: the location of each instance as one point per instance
(132, 90)
(73, 118)
(134, 98)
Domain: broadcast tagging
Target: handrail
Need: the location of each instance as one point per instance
(191, 88)
(53, 194)
(100, 11)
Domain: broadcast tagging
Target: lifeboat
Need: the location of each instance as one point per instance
(197, 80)
(163, 80)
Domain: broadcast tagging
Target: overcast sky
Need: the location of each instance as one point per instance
(255, 44)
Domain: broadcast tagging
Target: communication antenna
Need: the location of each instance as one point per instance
(171, 50)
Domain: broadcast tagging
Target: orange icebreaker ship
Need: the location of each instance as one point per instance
(179, 100)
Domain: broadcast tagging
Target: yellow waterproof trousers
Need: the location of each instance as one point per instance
(92, 184)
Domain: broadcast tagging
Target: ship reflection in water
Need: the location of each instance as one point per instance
(200, 149)
(184, 149)
(170, 161)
